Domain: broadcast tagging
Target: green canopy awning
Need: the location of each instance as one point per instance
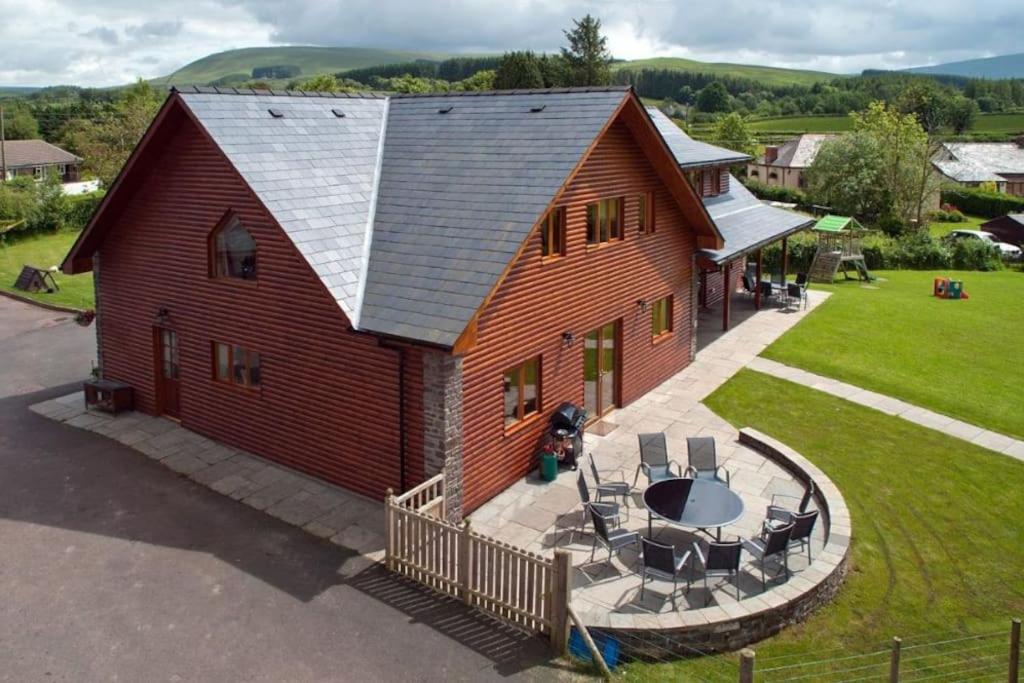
(832, 223)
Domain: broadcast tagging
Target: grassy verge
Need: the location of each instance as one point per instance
(940, 229)
(955, 357)
(42, 252)
(936, 524)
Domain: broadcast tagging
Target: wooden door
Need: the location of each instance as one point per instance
(168, 372)
(601, 370)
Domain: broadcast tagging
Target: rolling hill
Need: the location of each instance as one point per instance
(311, 60)
(766, 74)
(1003, 66)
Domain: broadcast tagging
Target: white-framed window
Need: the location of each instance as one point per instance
(39, 172)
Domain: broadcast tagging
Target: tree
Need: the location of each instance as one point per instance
(19, 124)
(555, 71)
(685, 96)
(926, 101)
(731, 132)
(587, 58)
(519, 71)
(959, 113)
(106, 142)
(846, 176)
(320, 83)
(481, 80)
(713, 98)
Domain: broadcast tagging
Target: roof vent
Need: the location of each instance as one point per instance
(276, 113)
(538, 108)
(445, 110)
(339, 113)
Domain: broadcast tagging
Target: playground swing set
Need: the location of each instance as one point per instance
(839, 248)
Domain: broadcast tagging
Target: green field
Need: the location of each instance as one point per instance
(954, 357)
(765, 74)
(986, 123)
(311, 60)
(972, 223)
(42, 252)
(936, 539)
(999, 123)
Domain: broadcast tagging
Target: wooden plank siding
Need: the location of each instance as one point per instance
(713, 282)
(328, 400)
(590, 286)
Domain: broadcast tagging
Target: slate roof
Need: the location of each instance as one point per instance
(964, 171)
(800, 151)
(314, 171)
(996, 157)
(744, 221)
(24, 153)
(689, 152)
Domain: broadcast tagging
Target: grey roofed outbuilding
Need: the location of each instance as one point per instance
(745, 222)
(29, 153)
(800, 151)
(996, 157)
(966, 171)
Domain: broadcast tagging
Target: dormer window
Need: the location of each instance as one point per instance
(232, 251)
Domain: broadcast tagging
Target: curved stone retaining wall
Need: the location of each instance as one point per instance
(756, 617)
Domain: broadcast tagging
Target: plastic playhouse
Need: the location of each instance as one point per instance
(946, 288)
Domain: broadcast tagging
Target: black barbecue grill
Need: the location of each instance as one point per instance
(567, 428)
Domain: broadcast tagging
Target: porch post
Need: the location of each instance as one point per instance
(727, 295)
(785, 260)
(442, 417)
(757, 279)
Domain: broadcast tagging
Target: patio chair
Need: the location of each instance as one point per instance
(802, 280)
(805, 499)
(654, 460)
(615, 540)
(610, 488)
(795, 292)
(803, 525)
(610, 511)
(703, 460)
(772, 543)
(748, 284)
(768, 291)
(661, 562)
(718, 558)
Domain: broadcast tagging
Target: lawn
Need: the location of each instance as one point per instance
(43, 252)
(959, 358)
(972, 223)
(937, 528)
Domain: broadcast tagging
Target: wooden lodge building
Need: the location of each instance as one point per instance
(373, 289)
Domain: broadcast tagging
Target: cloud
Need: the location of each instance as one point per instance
(114, 41)
(103, 34)
(155, 29)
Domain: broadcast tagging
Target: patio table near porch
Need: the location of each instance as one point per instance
(692, 503)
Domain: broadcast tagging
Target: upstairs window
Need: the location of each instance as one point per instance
(522, 391)
(552, 233)
(645, 213)
(233, 251)
(604, 221)
(236, 365)
(706, 182)
(661, 317)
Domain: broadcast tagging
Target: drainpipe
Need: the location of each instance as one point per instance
(400, 354)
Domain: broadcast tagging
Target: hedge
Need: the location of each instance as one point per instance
(772, 193)
(980, 203)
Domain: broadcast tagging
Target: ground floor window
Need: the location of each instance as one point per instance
(661, 317)
(234, 364)
(522, 391)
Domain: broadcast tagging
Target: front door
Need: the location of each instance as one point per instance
(601, 370)
(167, 372)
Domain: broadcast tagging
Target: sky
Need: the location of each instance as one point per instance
(110, 42)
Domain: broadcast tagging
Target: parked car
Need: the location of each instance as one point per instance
(1009, 252)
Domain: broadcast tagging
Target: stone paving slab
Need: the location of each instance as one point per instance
(979, 436)
(342, 517)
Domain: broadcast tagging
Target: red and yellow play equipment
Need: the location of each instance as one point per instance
(946, 288)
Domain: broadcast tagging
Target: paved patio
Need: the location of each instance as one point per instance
(542, 516)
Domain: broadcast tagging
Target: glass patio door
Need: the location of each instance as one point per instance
(601, 370)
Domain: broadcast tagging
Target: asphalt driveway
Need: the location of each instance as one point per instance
(114, 568)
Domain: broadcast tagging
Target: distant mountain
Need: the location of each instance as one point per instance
(768, 75)
(1004, 66)
(237, 65)
(15, 90)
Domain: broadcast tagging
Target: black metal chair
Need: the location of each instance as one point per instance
(609, 511)
(805, 499)
(803, 526)
(702, 460)
(773, 543)
(719, 558)
(795, 292)
(768, 291)
(654, 460)
(748, 284)
(661, 562)
(802, 280)
(609, 488)
(615, 540)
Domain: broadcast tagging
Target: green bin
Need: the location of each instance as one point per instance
(956, 289)
(548, 466)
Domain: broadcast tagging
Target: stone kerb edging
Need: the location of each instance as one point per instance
(735, 625)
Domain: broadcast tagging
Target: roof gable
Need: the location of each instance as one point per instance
(690, 152)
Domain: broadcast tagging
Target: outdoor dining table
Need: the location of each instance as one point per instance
(692, 503)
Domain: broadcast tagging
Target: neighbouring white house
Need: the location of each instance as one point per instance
(37, 159)
(784, 165)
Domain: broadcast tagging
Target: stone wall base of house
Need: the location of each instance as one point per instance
(442, 418)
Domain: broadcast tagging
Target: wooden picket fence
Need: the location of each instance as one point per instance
(519, 587)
